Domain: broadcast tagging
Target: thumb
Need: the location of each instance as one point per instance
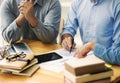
(31, 1)
(26, 0)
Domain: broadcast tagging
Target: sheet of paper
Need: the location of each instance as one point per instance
(58, 65)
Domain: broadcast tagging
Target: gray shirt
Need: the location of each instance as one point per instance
(48, 13)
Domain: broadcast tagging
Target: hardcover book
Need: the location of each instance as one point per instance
(89, 64)
(18, 64)
(33, 62)
(107, 73)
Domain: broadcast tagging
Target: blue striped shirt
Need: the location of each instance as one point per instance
(98, 22)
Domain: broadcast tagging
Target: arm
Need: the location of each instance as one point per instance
(48, 31)
(71, 22)
(70, 27)
(10, 29)
(111, 54)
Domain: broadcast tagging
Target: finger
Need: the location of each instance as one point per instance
(64, 45)
(31, 1)
(22, 3)
(22, 10)
(67, 42)
(26, 0)
(78, 53)
(73, 46)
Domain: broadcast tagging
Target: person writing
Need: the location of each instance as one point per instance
(30, 19)
(99, 25)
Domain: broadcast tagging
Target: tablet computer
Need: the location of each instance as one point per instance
(48, 57)
(21, 47)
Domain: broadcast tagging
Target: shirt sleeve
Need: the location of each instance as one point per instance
(71, 22)
(9, 28)
(48, 31)
(111, 54)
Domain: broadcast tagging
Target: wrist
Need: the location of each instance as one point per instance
(91, 45)
(20, 19)
(33, 21)
(65, 36)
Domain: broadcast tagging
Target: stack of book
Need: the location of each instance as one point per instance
(20, 62)
(87, 70)
(26, 68)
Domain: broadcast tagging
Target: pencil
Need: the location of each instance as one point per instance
(71, 45)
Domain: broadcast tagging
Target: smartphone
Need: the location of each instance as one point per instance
(48, 57)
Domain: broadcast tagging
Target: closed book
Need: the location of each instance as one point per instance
(28, 72)
(89, 64)
(4, 63)
(106, 80)
(33, 62)
(88, 77)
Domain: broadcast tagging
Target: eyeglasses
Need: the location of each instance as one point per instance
(15, 57)
(4, 49)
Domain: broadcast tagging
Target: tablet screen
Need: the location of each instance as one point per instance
(48, 57)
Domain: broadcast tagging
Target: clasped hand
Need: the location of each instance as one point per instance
(26, 8)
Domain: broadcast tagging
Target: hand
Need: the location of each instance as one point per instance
(26, 8)
(83, 50)
(67, 42)
(20, 19)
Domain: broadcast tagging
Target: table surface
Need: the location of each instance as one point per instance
(42, 75)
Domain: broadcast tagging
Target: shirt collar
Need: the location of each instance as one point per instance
(39, 2)
(97, 1)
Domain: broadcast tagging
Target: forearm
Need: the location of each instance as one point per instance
(33, 22)
(20, 19)
(11, 32)
(45, 33)
(110, 55)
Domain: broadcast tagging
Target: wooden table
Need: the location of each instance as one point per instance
(42, 75)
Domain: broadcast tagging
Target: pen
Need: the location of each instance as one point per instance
(72, 44)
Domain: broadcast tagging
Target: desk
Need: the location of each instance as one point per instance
(42, 75)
